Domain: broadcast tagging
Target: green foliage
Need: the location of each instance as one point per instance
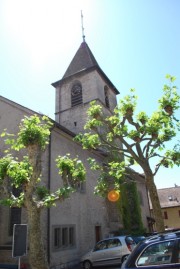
(128, 104)
(150, 132)
(94, 110)
(93, 124)
(42, 192)
(117, 171)
(175, 156)
(170, 97)
(94, 165)
(171, 157)
(137, 138)
(124, 210)
(88, 141)
(154, 123)
(135, 135)
(142, 117)
(13, 201)
(71, 170)
(60, 194)
(24, 174)
(113, 121)
(130, 208)
(18, 173)
(32, 130)
(110, 176)
(4, 163)
(102, 186)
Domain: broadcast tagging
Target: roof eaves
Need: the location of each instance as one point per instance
(100, 71)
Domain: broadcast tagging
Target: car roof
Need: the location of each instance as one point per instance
(114, 237)
(163, 236)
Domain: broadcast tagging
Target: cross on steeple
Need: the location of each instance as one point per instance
(83, 36)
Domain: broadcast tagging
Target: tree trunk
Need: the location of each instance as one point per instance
(37, 257)
(155, 202)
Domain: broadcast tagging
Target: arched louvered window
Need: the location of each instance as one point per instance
(106, 95)
(76, 94)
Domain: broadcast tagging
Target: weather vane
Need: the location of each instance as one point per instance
(83, 36)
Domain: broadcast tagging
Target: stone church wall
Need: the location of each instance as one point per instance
(10, 116)
(83, 209)
(74, 118)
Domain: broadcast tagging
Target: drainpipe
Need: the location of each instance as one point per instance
(49, 187)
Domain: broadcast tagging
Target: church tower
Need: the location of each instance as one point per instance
(83, 82)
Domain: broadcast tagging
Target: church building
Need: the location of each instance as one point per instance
(72, 227)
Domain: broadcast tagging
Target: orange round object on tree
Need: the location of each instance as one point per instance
(113, 195)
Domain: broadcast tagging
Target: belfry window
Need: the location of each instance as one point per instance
(76, 94)
(106, 94)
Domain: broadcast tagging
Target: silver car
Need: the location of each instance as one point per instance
(110, 251)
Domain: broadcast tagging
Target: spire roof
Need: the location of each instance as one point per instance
(83, 60)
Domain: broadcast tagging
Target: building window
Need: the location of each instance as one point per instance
(80, 187)
(15, 212)
(106, 95)
(179, 213)
(71, 236)
(165, 215)
(76, 95)
(141, 198)
(63, 237)
(98, 233)
(15, 218)
(57, 237)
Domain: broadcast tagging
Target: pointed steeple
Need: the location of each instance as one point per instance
(83, 60)
(83, 82)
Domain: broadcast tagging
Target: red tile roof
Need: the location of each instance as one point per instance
(169, 197)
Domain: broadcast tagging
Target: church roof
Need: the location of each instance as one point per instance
(84, 60)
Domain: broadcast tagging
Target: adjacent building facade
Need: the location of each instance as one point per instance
(74, 225)
(170, 205)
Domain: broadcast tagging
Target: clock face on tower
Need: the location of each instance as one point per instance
(76, 90)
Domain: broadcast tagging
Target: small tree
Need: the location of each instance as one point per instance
(127, 139)
(25, 174)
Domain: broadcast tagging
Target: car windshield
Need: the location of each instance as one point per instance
(156, 254)
(109, 243)
(100, 245)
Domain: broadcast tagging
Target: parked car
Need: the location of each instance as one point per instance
(138, 238)
(110, 251)
(158, 251)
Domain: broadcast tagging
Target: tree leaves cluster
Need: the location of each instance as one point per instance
(126, 138)
(20, 169)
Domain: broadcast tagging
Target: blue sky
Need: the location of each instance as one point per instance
(136, 43)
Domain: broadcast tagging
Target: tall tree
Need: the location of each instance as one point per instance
(127, 139)
(24, 173)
